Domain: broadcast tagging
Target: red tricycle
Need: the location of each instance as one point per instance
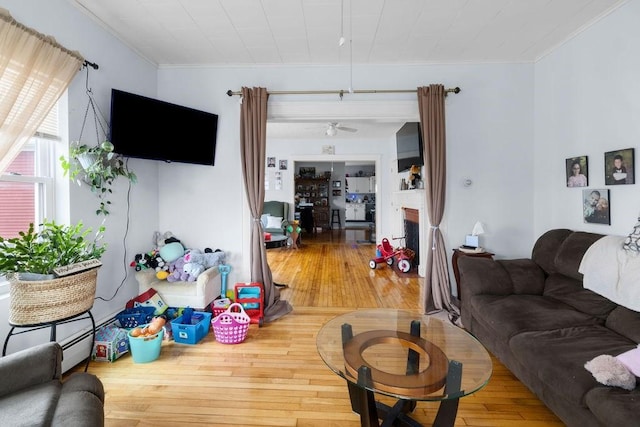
(387, 253)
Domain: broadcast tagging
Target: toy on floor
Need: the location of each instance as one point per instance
(387, 253)
(224, 269)
(294, 232)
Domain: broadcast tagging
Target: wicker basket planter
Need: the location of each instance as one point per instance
(45, 301)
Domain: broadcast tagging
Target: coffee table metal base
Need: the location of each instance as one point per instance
(363, 399)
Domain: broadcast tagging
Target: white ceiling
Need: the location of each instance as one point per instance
(254, 32)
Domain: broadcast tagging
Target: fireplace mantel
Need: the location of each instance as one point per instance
(412, 199)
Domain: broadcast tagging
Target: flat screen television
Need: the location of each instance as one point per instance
(409, 146)
(148, 128)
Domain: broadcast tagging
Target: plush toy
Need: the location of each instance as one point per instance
(159, 240)
(414, 176)
(619, 371)
(141, 262)
(177, 273)
(207, 259)
(159, 264)
(193, 269)
(171, 251)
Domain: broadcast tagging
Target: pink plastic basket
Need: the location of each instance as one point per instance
(231, 327)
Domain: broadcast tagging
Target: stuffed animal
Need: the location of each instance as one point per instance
(177, 273)
(193, 269)
(161, 267)
(414, 176)
(141, 262)
(207, 259)
(619, 371)
(159, 240)
(171, 251)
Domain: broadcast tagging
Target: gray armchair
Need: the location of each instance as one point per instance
(32, 392)
(275, 209)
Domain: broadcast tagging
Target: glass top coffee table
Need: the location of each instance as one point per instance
(405, 355)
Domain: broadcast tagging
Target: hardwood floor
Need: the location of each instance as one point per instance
(275, 377)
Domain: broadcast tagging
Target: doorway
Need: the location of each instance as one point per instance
(338, 167)
(340, 194)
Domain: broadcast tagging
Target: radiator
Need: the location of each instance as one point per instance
(77, 346)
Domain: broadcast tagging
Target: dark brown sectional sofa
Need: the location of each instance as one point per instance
(536, 317)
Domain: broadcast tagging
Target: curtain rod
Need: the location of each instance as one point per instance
(90, 64)
(341, 92)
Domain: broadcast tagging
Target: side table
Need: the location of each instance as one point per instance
(457, 253)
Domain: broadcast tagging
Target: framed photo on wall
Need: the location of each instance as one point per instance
(595, 206)
(271, 162)
(618, 167)
(577, 171)
(283, 165)
(307, 172)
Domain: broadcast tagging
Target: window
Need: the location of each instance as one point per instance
(27, 187)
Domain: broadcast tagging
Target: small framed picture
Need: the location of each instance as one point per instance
(337, 184)
(618, 167)
(283, 165)
(337, 193)
(595, 206)
(577, 171)
(271, 162)
(307, 172)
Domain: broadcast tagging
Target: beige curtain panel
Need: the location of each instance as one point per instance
(34, 72)
(253, 147)
(437, 289)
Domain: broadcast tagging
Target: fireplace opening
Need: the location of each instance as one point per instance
(412, 233)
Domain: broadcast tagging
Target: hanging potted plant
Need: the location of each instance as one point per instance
(52, 271)
(97, 166)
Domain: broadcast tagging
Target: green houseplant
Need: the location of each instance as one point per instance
(52, 245)
(36, 296)
(98, 166)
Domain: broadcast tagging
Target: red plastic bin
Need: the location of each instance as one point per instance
(251, 296)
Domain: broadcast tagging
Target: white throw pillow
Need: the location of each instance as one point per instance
(274, 222)
(264, 219)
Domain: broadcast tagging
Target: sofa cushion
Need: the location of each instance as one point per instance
(545, 249)
(570, 291)
(513, 314)
(558, 356)
(625, 322)
(83, 381)
(79, 408)
(31, 406)
(571, 251)
(526, 277)
(612, 405)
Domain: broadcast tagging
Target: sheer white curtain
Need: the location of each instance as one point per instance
(34, 72)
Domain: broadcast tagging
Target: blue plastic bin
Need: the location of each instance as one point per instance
(194, 332)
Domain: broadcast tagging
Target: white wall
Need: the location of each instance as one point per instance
(120, 68)
(489, 132)
(587, 103)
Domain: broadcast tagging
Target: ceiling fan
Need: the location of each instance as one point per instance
(334, 127)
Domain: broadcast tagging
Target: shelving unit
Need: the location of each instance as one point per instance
(316, 191)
